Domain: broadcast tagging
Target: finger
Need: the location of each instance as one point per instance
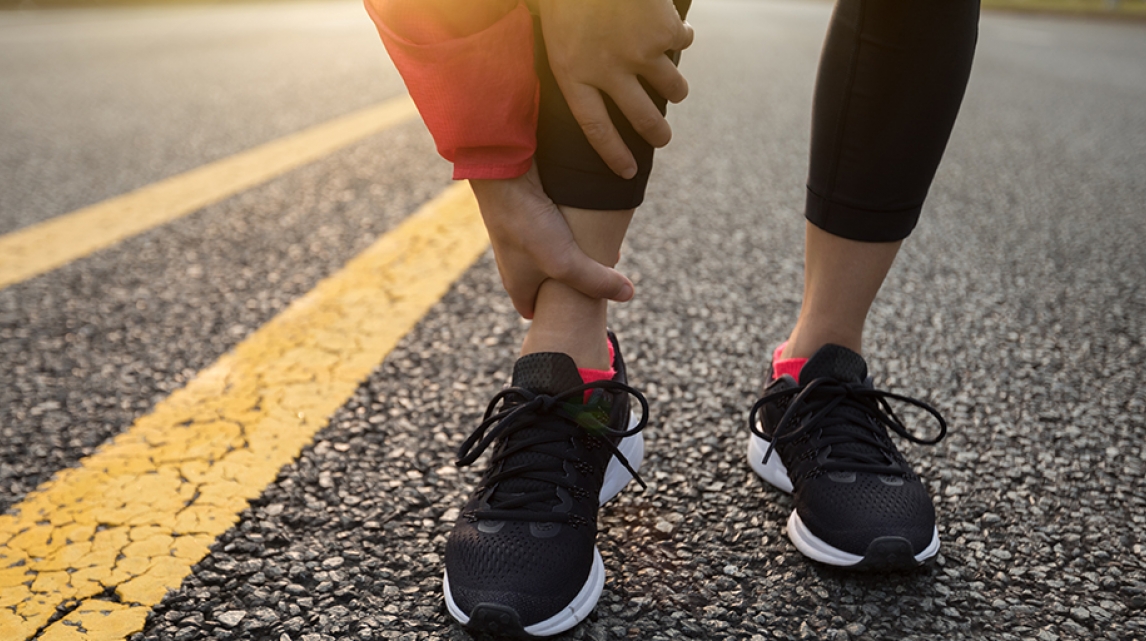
(592, 278)
(684, 36)
(666, 79)
(589, 110)
(521, 285)
(524, 306)
(523, 294)
(643, 115)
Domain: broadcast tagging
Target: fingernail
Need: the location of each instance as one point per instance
(626, 292)
(629, 172)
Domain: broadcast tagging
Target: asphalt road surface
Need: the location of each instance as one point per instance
(1017, 308)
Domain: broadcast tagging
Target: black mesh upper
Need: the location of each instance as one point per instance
(537, 577)
(849, 516)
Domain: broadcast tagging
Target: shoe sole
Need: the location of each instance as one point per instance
(884, 554)
(503, 622)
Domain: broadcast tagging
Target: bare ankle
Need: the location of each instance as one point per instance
(588, 350)
(569, 322)
(803, 344)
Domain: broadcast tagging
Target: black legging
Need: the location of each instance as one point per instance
(891, 79)
(571, 171)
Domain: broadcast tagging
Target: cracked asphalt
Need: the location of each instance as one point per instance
(1017, 308)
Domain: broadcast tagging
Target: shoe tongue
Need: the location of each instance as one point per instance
(842, 364)
(835, 362)
(547, 373)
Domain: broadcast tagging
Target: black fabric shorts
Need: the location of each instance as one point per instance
(571, 171)
(891, 79)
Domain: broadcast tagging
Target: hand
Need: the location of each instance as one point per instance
(532, 243)
(603, 46)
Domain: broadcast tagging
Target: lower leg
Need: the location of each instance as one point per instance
(891, 79)
(565, 320)
(841, 279)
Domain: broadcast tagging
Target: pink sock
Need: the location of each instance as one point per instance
(594, 375)
(789, 366)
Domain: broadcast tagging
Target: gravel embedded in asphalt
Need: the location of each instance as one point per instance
(1016, 308)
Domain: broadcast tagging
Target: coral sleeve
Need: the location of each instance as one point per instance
(477, 92)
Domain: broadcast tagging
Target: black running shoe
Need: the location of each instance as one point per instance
(522, 560)
(824, 439)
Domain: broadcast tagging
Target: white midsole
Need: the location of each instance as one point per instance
(815, 548)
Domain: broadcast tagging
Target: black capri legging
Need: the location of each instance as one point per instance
(891, 79)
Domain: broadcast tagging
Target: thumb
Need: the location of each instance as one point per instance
(598, 281)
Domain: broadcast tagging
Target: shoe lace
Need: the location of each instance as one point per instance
(521, 409)
(817, 405)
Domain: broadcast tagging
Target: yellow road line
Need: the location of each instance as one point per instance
(43, 247)
(137, 514)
